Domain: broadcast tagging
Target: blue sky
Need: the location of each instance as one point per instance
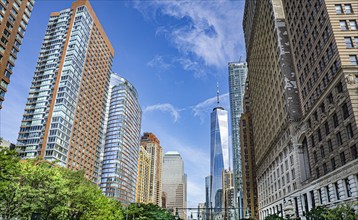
(173, 52)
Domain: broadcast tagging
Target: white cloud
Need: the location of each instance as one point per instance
(208, 33)
(164, 108)
(203, 109)
(159, 63)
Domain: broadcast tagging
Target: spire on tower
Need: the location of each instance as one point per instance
(217, 94)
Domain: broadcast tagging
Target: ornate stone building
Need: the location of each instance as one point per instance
(303, 82)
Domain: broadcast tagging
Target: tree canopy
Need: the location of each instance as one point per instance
(39, 189)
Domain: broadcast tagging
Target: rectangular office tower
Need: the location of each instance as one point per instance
(65, 109)
(14, 17)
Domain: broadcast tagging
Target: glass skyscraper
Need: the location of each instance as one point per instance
(65, 110)
(237, 80)
(219, 155)
(119, 169)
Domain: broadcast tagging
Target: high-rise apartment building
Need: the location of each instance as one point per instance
(207, 196)
(143, 179)
(306, 148)
(14, 17)
(174, 182)
(65, 111)
(120, 161)
(249, 183)
(237, 79)
(219, 159)
(152, 145)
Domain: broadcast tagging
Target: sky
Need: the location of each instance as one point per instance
(173, 52)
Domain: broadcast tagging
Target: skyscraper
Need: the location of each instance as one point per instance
(65, 111)
(152, 145)
(174, 182)
(143, 179)
(303, 73)
(207, 196)
(119, 168)
(237, 79)
(14, 17)
(219, 160)
(249, 183)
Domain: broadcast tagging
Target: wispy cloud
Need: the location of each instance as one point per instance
(203, 109)
(208, 33)
(166, 107)
(159, 63)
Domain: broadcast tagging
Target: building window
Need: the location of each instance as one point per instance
(326, 127)
(339, 87)
(315, 156)
(339, 138)
(343, 25)
(353, 24)
(322, 152)
(337, 190)
(339, 9)
(353, 60)
(312, 141)
(319, 134)
(325, 168)
(330, 98)
(293, 174)
(349, 131)
(345, 111)
(348, 9)
(356, 42)
(333, 163)
(343, 158)
(330, 146)
(320, 196)
(335, 120)
(354, 152)
(317, 172)
(348, 187)
(328, 194)
(348, 41)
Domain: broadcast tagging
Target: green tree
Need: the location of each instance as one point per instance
(147, 212)
(274, 217)
(342, 212)
(317, 213)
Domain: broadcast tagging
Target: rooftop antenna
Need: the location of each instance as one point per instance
(217, 94)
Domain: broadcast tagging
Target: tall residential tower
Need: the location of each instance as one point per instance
(119, 166)
(14, 17)
(65, 110)
(237, 79)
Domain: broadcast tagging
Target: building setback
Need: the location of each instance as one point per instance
(152, 145)
(237, 79)
(120, 162)
(14, 17)
(174, 182)
(65, 111)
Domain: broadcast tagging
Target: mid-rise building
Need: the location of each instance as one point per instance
(219, 157)
(7, 144)
(14, 17)
(174, 182)
(120, 161)
(228, 194)
(249, 195)
(143, 179)
(65, 110)
(152, 145)
(237, 79)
